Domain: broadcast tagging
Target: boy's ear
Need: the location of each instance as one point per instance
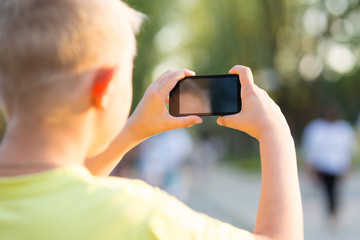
(101, 86)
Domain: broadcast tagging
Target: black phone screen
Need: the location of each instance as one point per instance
(206, 96)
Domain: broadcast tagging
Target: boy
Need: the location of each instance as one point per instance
(65, 85)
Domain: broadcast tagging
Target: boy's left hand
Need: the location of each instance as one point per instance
(151, 115)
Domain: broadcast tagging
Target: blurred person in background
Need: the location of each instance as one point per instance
(209, 149)
(161, 158)
(328, 146)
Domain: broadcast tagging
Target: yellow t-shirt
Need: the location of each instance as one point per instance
(70, 203)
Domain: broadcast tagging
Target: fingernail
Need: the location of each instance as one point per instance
(192, 72)
(198, 121)
(219, 122)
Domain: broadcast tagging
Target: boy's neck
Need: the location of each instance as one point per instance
(31, 149)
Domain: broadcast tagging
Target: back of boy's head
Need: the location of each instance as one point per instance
(47, 44)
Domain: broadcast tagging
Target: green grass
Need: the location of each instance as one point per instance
(250, 163)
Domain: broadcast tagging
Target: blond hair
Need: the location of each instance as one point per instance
(44, 38)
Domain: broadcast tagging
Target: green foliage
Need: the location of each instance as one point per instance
(291, 54)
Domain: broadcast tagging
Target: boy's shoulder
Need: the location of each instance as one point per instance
(104, 206)
(99, 206)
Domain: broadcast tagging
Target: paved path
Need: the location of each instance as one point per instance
(233, 196)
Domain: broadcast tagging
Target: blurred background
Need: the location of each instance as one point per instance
(305, 53)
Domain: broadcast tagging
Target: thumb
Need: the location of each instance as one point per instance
(231, 121)
(224, 120)
(184, 122)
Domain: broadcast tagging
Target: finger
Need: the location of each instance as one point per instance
(169, 83)
(164, 76)
(219, 121)
(229, 120)
(168, 73)
(223, 121)
(245, 75)
(184, 122)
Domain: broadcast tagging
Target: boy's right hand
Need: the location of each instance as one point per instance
(259, 115)
(151, 116)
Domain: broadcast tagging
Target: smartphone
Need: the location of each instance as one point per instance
(211, 95)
